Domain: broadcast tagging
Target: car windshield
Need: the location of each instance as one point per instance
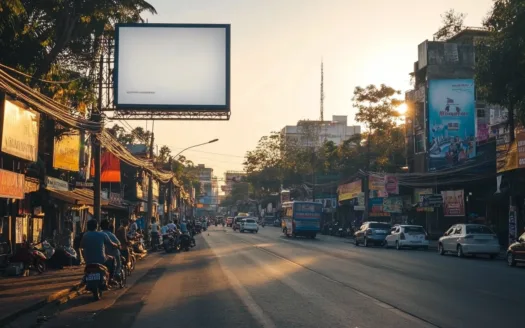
(414, 230)
(250, 221)
(379, 226)
(479, 229)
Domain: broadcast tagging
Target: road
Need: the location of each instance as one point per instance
(266, 280)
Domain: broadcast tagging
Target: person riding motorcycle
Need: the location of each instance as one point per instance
(95, 245)
(122, 235)
(115, 252)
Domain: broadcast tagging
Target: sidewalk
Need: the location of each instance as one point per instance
(22, 294)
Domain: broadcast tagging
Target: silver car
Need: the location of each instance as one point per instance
(469, 239)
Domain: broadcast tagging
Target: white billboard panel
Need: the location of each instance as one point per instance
(172, 67)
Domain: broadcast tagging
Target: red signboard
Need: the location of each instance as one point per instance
(11, 185)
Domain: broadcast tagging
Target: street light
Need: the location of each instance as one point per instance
(201, 144)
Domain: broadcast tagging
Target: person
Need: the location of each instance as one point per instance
(155, 230)
(171, 225)
(115, 252)
(122, 235)
(183, 226)
(134, 227)
(94, 245)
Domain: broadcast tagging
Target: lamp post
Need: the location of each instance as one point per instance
(180, 152)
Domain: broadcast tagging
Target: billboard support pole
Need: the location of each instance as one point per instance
(95, 143)
(150, 188)
(366, 179)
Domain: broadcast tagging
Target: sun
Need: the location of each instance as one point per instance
(402, 109)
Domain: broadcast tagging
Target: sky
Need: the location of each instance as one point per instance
(276, 51)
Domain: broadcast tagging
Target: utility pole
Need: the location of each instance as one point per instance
(366, 180)
(170, 191)
(95, 143)
(150, 187)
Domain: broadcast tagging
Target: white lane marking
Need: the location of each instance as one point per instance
(255, 310)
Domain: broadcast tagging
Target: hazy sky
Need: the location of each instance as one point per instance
(277, 46)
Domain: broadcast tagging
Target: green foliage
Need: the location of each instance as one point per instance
(376, 106)
(452, 23)
(501, 59)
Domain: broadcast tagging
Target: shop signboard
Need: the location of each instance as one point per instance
(393, 204)
(66, 153)
(418, 198)
(56, 184)
(431, 200)
(377, 185)
(376, 207)
(20, 131)
(391, 185)
(453, 203)
(11, 185)
(452, 123)
(349, 190)
(31, 185)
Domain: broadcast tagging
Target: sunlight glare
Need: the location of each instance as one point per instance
(402, 109)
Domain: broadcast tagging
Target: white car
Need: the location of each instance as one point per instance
(249, 225)
(469, 239)
(410, 236)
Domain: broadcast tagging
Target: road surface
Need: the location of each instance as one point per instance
(266, 280)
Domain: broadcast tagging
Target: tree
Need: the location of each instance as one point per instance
(376, 107)
(452, 23)
(501, 60)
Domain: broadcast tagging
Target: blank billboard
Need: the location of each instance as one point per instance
(172, 67)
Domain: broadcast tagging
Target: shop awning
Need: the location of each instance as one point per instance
(75, 196)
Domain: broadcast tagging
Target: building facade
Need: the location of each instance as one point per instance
(314, 133)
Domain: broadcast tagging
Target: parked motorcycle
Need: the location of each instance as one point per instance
(96, 279)
(186, 242)
(34, 258)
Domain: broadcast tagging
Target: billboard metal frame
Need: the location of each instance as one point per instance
(174, 107)
(105, 82)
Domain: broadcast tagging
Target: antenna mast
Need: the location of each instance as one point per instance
(322, 92)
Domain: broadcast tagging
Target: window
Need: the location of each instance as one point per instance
(414, 230)
(308, 207)
(249, 221)
(479, 229)
(458, 230)
(385, 226)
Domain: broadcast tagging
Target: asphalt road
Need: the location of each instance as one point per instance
(266, 280)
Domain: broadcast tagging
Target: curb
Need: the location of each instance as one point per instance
(61, 297)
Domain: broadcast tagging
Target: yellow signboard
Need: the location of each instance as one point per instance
(66, 155)
(349, 190)
(20, 131)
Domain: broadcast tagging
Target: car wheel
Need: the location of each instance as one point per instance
(511, 261)
(398, 247)
(460, 251)
(441, 250)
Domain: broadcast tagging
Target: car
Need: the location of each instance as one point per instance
(410, 236)
(516, 251)
(249, 224)
(371, 233)
(469, 239)
(229, 221)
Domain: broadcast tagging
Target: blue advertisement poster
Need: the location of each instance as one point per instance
(451, 123)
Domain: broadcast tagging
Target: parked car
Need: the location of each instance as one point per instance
(249, 224)
(469, 239)
(516, 251)
(411, 236)
(371, 233)
(229, 221)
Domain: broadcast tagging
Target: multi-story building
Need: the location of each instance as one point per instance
(206, 200)
(314, 133)
(230, 179)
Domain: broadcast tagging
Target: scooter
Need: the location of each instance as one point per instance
(96, 279)
(169, 242)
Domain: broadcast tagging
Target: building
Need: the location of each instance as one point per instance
(230, 179)
(314, 133)
(206, 201)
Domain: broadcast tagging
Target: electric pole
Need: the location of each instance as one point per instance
(95, 144)
(150, 187)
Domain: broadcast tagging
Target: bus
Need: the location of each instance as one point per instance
(301, 218)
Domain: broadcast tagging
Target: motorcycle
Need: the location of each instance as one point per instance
(129, 263)
(34, 258)
(155, 242)
(186, 242)
(96, 279)
(170, 242)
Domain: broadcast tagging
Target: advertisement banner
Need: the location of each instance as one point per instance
(20, 132)
(452, 123)
(419, 196)
(376, 183)
(376, 207)
(66, 154)
(453, 203)
(435, 200)
(110, 166)
(349, 190)
(393, 204)
(11, 185)
(391, 185)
